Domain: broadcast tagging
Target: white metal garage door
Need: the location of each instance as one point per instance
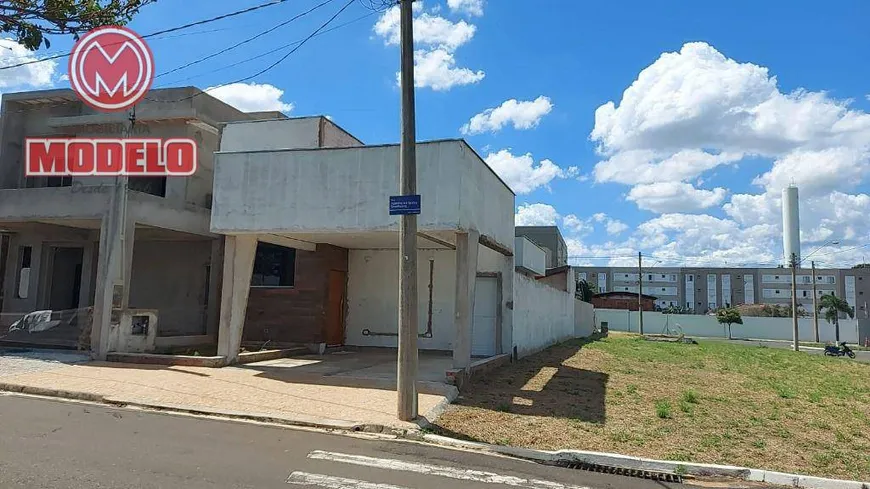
(483, 329)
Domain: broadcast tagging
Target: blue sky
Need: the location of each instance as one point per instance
(688, 164)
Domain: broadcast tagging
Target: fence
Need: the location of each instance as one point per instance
(752, 327)
(543, 314)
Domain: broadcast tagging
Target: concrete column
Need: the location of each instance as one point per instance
(507, 304)
(214, 287)
(10, 280)
(109, 270)
(239, 253)
(114, 267)
(127, 273)
(466, 277)
(86, 291)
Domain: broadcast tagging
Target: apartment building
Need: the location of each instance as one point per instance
(706, 289)
(662, 283)
(548, 238)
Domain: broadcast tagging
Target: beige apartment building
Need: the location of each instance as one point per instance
(706, 289)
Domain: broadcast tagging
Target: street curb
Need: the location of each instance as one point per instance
(637, 463)
(41, 391)
(301, 421)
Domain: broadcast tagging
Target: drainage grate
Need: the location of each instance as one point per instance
(608, 469)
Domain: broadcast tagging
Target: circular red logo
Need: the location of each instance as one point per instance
(111, 68)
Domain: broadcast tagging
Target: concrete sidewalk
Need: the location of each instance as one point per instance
(245, 391)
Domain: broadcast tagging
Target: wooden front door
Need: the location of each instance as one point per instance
(335, 308)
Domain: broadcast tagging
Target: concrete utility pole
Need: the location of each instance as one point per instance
(640, 292)
(794, 312)
(815, 305)
(407, 368)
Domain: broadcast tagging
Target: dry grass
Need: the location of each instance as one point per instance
(714, 402)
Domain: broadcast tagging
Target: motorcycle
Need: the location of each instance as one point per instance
(839, 351)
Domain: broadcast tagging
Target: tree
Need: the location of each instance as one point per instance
(29, 21)
(832, 307)
(861, 265)
(729, 316)
(585, 291)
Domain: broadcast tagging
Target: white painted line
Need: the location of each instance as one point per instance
(306, 479)
(439, 470)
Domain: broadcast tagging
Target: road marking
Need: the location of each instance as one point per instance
(439, 470)
(306, 479)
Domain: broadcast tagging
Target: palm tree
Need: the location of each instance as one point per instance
(832, 307)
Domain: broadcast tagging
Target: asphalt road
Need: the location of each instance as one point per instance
(53, 444)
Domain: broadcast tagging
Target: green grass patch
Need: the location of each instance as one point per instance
(718, 402)
(690, 396)
(663, 409)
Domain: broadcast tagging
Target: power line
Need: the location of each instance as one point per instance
(165, 31)
(275, 50)
(245, 41)
(268, 68)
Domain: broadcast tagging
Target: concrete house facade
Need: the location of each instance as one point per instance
(329, 207)
(55, 227)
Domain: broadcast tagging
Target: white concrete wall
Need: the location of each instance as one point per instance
(542, 315)
(272, 134)
(347, 190)
(529, 256)
(584, 319)
(700, 325)
(372, 297)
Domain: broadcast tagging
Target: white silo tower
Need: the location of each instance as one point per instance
(791, 226)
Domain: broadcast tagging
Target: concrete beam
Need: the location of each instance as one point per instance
(466, 277)
(287, 242)
(449, 246)
(495, 245)
(157, 212)
(239, 252)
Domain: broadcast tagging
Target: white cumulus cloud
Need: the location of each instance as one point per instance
(437, 70)
(252, 97)
(536, 215)
(522, 174)
(663, 197)
(36, 75)
(522, 115)
(429, 29)
(469, 7)
(437, 40)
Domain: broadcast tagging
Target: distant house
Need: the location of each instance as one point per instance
(622, 300)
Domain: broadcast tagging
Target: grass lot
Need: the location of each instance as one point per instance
(714, 402)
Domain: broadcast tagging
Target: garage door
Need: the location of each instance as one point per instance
(483, 328)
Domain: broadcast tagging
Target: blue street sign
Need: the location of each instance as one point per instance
(404, 205)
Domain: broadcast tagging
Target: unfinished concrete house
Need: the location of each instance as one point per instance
(53, 226)
(54, 282)
(324, 213)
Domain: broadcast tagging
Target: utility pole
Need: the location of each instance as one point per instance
(406, 378)
(640, 292)
(794, 312)
(815, 305)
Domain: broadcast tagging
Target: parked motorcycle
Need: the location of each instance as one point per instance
(839, 351)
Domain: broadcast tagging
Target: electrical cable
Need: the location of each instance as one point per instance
(271, 51)
(268, 68)
(164, 31)
(245, 41)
